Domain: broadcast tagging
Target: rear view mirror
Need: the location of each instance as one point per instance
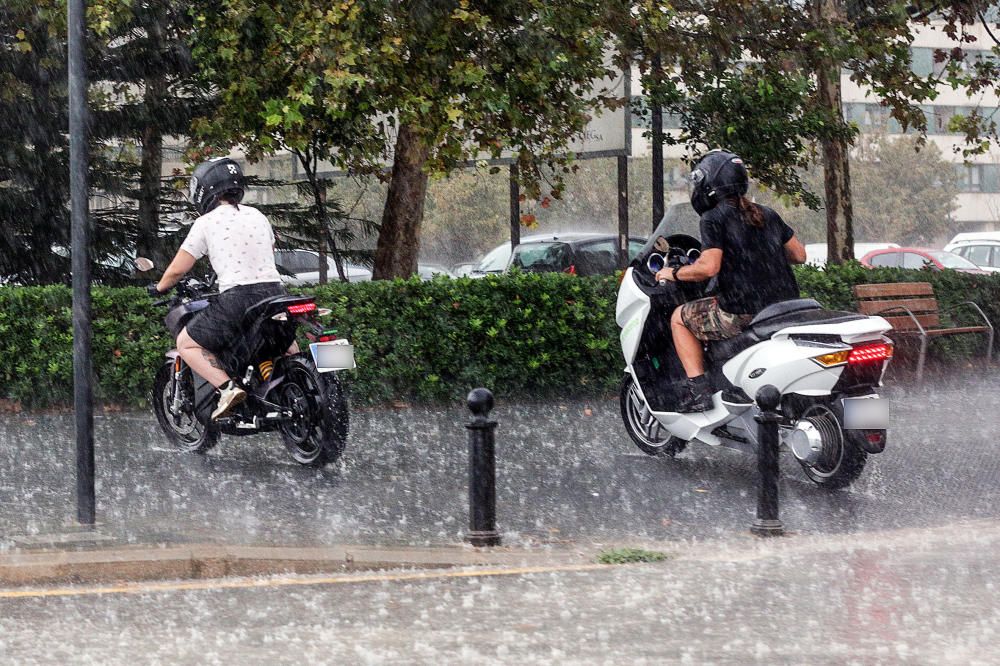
(142, 264)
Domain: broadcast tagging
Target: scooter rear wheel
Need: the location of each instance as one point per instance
(646, 432)
(843, 458)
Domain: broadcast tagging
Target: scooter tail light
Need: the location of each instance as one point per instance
(301, 308)
(870, 353)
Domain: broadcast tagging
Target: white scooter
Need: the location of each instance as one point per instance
(826, 364)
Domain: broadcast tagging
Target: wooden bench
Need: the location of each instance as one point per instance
(916, 314)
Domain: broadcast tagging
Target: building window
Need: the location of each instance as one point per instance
(922, 61)
(970, 177)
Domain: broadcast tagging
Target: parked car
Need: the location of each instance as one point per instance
(816, 253)
(464, 268)
(428, 271)
(496, 260)
(919, 257)
(981, 248)
(578, 254)
(302, 267)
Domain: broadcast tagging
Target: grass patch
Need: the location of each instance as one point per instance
(630, 555)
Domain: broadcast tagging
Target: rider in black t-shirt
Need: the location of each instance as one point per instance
(749, 247)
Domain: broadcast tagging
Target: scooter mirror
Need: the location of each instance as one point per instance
(655, 263)
(142, 264)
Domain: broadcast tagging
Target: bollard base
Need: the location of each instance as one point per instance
(766, 527)
(480, 539)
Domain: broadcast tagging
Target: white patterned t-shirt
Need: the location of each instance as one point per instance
(239, 242)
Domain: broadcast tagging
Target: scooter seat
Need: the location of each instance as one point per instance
(767, 328)
(782, 308)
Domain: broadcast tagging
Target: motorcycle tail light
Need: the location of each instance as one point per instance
(833, 358)
(301, 308)
(870, 353)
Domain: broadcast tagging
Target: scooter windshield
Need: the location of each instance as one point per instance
(663, 241)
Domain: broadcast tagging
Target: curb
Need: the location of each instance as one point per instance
(192, 562)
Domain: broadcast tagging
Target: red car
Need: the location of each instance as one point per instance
(919, 257)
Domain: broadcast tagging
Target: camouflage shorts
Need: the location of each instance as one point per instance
(708, 321)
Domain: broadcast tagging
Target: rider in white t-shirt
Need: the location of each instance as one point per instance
(239, 243)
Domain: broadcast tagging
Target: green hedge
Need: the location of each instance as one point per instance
(528, 335)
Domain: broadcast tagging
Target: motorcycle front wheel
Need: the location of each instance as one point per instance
(646, 432)
(184, 429)
(317, 433)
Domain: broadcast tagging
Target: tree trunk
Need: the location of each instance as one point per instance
(836, 162)
(149, 244)
(318, 188)
(399, 237)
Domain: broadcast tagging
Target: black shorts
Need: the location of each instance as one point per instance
(217, 327)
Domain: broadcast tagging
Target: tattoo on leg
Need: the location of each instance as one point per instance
(210, 357)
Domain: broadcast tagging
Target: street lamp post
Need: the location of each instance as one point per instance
(83, 396)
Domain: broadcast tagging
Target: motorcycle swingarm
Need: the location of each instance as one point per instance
(275, 416)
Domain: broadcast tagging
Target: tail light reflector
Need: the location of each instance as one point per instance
(301, 308)
(870, 353)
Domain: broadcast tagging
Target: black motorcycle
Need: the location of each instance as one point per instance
(300, 396)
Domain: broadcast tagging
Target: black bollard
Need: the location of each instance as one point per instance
(767, 522)
(482, 471)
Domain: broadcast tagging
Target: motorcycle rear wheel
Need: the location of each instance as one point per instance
(646, 432)
(317, 435)
(185, 431)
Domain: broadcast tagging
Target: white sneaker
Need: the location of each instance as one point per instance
(230, 395)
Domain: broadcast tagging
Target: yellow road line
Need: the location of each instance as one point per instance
(243, 583)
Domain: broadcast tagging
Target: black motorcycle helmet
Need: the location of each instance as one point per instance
(717, 175)
(214, 178)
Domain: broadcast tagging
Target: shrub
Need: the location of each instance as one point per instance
(524, 335)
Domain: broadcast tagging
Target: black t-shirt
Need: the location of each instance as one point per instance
(755, 271)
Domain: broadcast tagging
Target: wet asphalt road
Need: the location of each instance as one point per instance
(911, 597)
(563, 477)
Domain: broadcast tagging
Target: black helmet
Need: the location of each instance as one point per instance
(717, 175)
(214, 178)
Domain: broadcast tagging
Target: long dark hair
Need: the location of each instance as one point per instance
(751, 213)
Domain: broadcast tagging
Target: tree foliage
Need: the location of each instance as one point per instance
(900, 195)
(763, 78)
(422, 86)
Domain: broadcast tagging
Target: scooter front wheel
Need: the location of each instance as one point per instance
(647, 433)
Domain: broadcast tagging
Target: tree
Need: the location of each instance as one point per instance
(899, 195)
(423, 86)
(277, 68)
(764, 80)
(146, 91)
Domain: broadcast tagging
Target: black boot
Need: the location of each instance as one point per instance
(698, 396)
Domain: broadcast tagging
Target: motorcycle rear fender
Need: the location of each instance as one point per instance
(782, 363)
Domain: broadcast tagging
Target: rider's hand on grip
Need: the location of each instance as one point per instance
(152, 290)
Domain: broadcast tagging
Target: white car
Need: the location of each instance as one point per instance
(816, 253)
(981, 248)
(303, 265)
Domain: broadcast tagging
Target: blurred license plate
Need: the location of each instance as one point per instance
(336, 355)
(866, 413)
